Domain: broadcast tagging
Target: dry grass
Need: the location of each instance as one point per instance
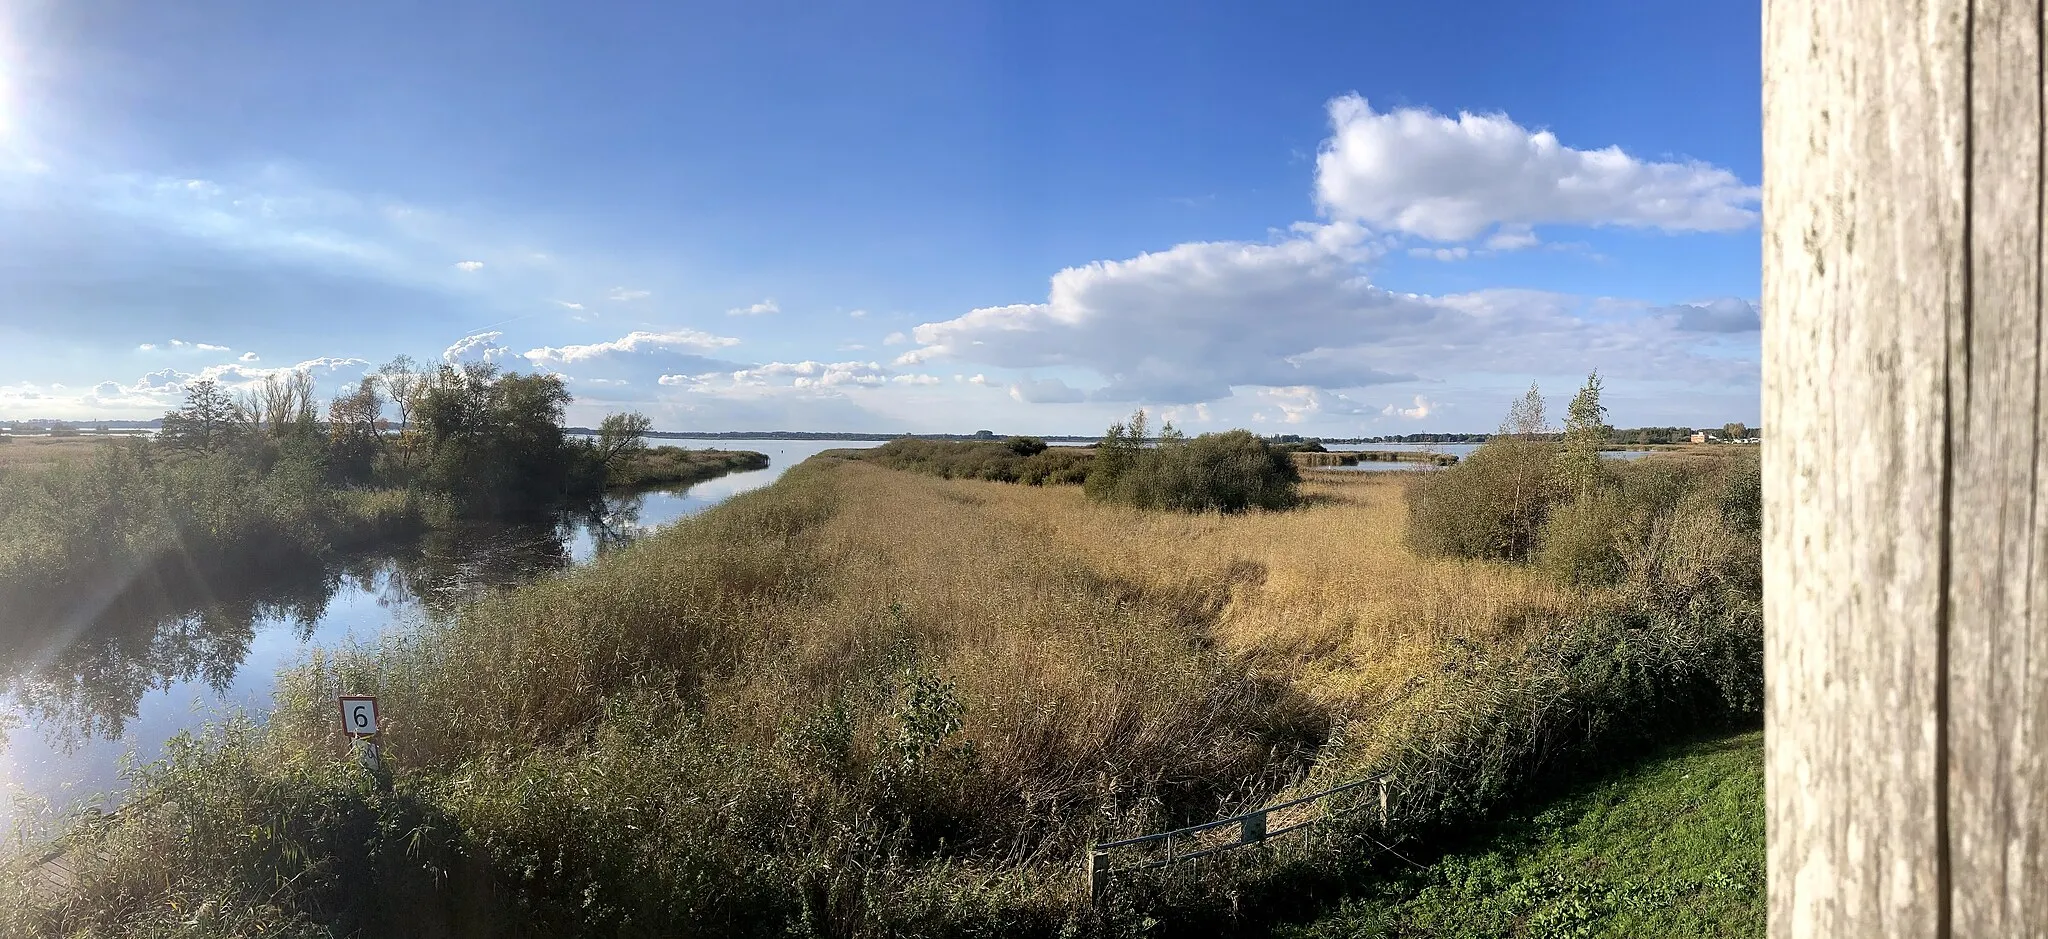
(1328, 595)
(871, 702)
(40, 452)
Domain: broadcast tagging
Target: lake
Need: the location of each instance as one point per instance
(72, 706)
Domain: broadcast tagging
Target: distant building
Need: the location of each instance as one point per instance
(1701, 436)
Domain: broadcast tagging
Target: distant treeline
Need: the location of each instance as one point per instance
(269, 476)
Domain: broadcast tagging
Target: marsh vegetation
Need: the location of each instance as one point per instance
(865, 701)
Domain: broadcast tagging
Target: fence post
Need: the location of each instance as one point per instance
(1097, 870)
(1383, 802)
(1252, 829)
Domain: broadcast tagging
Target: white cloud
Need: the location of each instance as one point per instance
(623, 295)
(250, 357)
(567, 305)
(634, 343)
(1194, 322)
(1045, 391)
(1187, 324)
(915, 379)
(895, 339)
(1459, 253)
(978, 380)
(1512, 239)
(674, 380)
(1450, 179)
(479, 347)
(1423, 408)
(1296, 404)
(809, 374)
(182, 345)
(858, 314)
(469, 266)
(758, 309)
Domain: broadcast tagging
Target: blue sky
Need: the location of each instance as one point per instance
(1326, 219)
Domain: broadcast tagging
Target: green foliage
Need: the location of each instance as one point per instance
(259, 483)
(1671, 848)
(1016, 460)
(1585, 433)
(1229, 472)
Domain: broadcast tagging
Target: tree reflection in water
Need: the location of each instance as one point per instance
(80, 670)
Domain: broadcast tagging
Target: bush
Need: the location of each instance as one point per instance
(1018, 459)
(1492, 504)
(1230, 472)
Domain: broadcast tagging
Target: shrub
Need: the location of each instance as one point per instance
(1018, 459)
(1230, 472)
(1493, 503)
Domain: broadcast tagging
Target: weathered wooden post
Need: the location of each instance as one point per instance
(1906, 600)
(1096, 870)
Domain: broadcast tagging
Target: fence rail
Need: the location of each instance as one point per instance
(1196, 841)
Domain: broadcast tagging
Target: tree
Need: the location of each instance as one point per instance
(1734, 432)
(403, 380)
(206, 422)
(1585, 432)
(621, 437)
(352, 421)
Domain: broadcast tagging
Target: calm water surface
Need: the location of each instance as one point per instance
(73, 706)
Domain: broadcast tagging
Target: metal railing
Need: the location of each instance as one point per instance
(1196, 841)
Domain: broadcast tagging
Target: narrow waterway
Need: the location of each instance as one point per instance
(74, 707)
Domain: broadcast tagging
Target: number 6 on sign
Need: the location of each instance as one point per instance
(358, 715)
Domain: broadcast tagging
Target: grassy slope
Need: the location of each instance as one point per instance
(942, 687)
(1673, 847)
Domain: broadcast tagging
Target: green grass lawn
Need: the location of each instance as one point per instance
(1673, 847)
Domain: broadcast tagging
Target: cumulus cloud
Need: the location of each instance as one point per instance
(915, 380)
(1446, 178)
(757, 309)
(1045, 391)
(147, 347)
(1423, 408)
(469, 266)
(1189, 323)
(250, 357)
(623, 295)
(895, 339)
(1194, 322)
(1726, 315)
(479, 347)
(635, 343)
(1295, 404)
(810, 374)
(677, 380)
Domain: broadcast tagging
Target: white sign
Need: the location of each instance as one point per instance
(358, 715)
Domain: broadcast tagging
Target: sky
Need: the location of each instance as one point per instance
(1330, 219)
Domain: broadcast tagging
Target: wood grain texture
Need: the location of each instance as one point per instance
(1865, 171)
(1997, 788)
(1906, 548)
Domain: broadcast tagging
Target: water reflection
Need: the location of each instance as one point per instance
(133, 666)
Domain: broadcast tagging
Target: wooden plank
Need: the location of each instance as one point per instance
(1997, 659)
(1865, 115)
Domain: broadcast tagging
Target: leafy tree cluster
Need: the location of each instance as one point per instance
(1228, 472)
